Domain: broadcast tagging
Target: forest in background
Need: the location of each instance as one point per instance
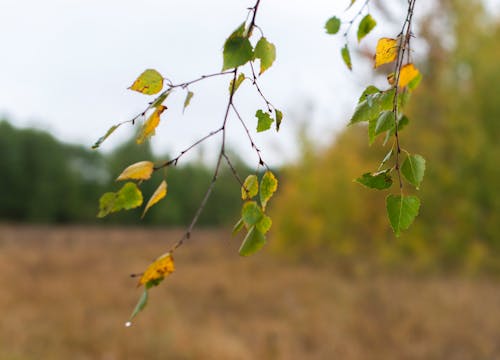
(47, 181)
(454, 123)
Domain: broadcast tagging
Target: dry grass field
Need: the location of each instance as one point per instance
(66, 294)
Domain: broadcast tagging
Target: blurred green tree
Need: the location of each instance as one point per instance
(455, 115)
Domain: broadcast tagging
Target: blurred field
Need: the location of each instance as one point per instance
(66, 295)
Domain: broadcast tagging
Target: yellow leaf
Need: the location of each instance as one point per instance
(148, 129)
(159, 194)
(407, 74)
(157, 270)
(149, 82)
(386, 52)
(141, 170)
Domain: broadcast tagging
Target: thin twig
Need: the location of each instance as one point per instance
(222, 152)
(202, 77)
(203, 203)
(358, 14)
(252, 143)
(233, 170)
(176, 159)
(254, 15)
(270, 106)
(404, 46)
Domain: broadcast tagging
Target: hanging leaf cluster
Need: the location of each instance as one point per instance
(253, 212)
(130, 196)
(244, 56)
(383, 111)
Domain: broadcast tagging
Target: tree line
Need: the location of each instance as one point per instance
(47, 181)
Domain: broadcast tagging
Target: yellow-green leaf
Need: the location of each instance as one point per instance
(150, 82)
(250, 187)
(141, 170)
(386, 52)
(128, 197)
(268, 186)
(105, 136)
(413, 84)
(264, 120)
(157, 270)
(365, 26)
(279, 117)
(251, 213)
(160, 193)
(264, 224)
(148, 129)
(346, 56)
(332, 25)
(187, 101)
(407, 74)
(266, 52)
(241, 77)
(253, 242)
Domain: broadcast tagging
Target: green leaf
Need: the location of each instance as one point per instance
(372, 106)
(150, 82)
(264, 225)
(253, 242)
(385, 121)
(266, 52)
(105, 136)
(413, 169)
(237, 49)
(346, 56)
(268, 186)
(238, 226)
(380, 180)
(264, 121)
(365, 26)
(241, 77)
(402, 211)
(370, 90)
(187, 101)
(403, 121)
(141, 304)
(332, 26)
(251, 213)
(240, 31)
(250, 187)
(279, 117)
(128, 197)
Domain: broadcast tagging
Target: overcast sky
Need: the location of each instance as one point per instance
(66, 66)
